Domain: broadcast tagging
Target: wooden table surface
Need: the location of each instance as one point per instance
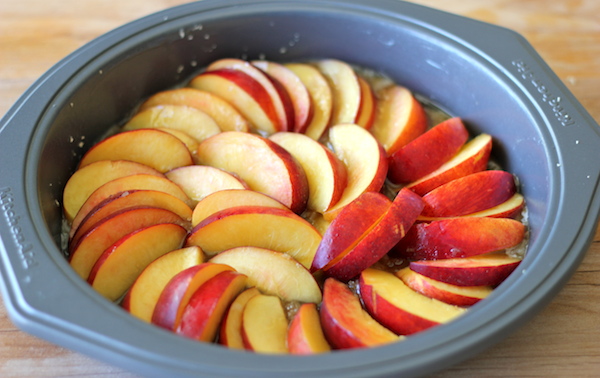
(562, 341)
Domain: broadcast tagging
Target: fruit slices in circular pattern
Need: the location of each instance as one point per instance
(316, 193)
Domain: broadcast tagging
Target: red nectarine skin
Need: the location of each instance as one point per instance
(174, 297)
(263, 164)
(477, 271)
(427, 152)
(460, 237)
(129, 199)
(250, 86)
(383, 235)
(472, 157)
(451, 294)
(208, 304)
(345, 324)
(399, 321)
(469, 194)
(353, 222)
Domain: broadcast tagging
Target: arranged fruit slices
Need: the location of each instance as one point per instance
(292, 208)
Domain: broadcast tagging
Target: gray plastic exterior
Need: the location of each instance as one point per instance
(489, 76)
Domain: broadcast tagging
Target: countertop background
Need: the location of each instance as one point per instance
(562, 341)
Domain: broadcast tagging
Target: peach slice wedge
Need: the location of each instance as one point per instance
(198, 181)
(358, 253)
(400, 308)
(84, 254)
(273, 273)
(365, 160)
(487, 269)
(326, 174)
(205, 310)
(345, 323)
(399, 118)
(305, 334)
(368, 105)
(469, 194)
(264, 325)
(295, 88)
(447, 293)
(257, 226)
(175, 296)
(346, 91)
(119, 265)
(261, 163)
(193, 122)
(157, 149)
(277, 97)
(472, 157)
(126, 200)
(460, 237)
(89, 178)
(427, 152)
(143, 295)
(245, 94)
(230, 333)
(228, 198)
(227, 117)
(321, 97)
(129, 183)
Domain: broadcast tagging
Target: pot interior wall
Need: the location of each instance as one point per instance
(104, 92)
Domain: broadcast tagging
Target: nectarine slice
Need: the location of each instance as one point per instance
(141, 298)
(469, 194)
(263, 165)
(228, 198)
(119, 265)
(205, 310)
(92, 244)
(345, 323)
(157, 149)
(451, 294)
(128, 183)
(325, 173)
(230, 333)
(295, 88)
(244, 93)
(399, 118)
(222, 112)
(460, 237)
(349, 227)
(320, 94)
(89, 178)
(125, 200)
(427, 152)
(257, 226)
(365, 160)
(382, 235)
(368, 105)
(192, 121)
(178, 291)
(305, 334)
(198, 181)
(472, 157)
(264, 325)
(272, 273)
(279, 100)
(488, 269)
(400, 308)
(346, 93)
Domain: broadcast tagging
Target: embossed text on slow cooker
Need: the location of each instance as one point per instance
(25, 249)
(548, 97)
